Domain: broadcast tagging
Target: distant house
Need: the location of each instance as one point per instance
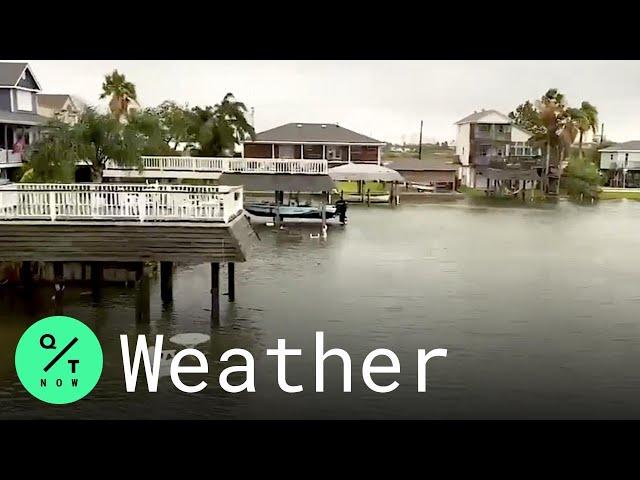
(314, 141)
(61, 107)
(436, 173)
(621, 164)
(491, 148)
(19, 119)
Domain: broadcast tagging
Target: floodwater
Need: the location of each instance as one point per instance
(537, 307)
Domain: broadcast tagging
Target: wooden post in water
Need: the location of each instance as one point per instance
(26, 276)
(276, 220)
(58, 279)
(143, 297)
(96, 276)
(166, 282)
(231, 281)
(215, 292)
(323, 213)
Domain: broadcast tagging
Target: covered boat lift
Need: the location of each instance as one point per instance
(364, 172)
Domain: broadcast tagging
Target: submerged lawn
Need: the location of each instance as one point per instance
(619, 195)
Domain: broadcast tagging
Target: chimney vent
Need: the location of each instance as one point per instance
(299, 125)
(323, 126)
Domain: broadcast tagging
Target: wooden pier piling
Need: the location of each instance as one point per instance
(143, 294)
(58, 276)
(26, 275)
(215, 292)
(231, 281)
(97, 269)
(166, 282)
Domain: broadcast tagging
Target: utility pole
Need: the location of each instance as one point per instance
(602, 133)
(420, 142)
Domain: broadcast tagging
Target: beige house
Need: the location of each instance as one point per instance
(61, 107)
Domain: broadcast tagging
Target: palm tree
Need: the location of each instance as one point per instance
(217, 129)
(121, 92)
(588, 120)
(233, 113)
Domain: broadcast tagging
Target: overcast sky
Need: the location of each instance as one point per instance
(383, 99)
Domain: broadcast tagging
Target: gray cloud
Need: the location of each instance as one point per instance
(384, 99)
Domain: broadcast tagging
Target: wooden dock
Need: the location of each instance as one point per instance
(106, 223)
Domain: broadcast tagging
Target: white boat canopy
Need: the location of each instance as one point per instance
(364, 172)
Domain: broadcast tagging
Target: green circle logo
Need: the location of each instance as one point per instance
(59, 360)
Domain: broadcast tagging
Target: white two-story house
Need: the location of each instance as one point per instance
(620, 163)
(490, 148)
(19, 119)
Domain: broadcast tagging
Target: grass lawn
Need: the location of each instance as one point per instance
(619, 195)
(477, 193)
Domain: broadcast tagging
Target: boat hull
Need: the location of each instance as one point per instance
(286, 211)
(356, 197)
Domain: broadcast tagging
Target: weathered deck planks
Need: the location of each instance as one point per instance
(98, 241)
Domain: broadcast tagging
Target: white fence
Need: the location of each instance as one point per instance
(145, 203)
(229, 165)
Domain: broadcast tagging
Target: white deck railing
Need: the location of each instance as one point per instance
(10, 157)
(229, 165)
(100, 201)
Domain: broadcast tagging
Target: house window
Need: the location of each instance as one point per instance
(334, 153)
(24, 101)
(483, 150)
(286, 151)
(483, 128)
(312, 151)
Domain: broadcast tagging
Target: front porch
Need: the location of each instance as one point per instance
(334, 154)
(14, 138)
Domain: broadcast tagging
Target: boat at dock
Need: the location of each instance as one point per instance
(378, 197)
(266, 209)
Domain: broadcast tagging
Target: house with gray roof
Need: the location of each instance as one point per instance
(58, 106)
(620, 163)
(19, 119)
(492, 149)
(315, 141)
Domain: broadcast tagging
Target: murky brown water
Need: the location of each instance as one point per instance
(538, 308)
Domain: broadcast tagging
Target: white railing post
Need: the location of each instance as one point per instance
(52, 205)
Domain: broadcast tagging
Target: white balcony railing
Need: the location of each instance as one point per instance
(229, 165)
(271, 165)
(145, 203)
(10, 157)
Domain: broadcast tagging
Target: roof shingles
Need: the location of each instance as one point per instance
(10, 73)
(621, 147)
(314, 132)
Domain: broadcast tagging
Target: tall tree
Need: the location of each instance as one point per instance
(219, 128)
(175, 123)
(93, 141)
(528, 118)
(53, 158)
(121, 92)
(587, 120)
